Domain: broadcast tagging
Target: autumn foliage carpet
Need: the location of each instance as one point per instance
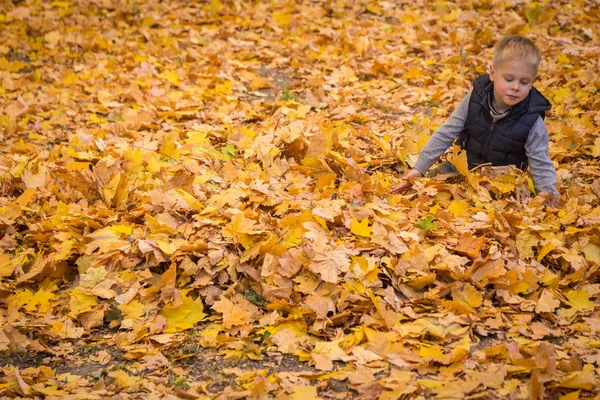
(195, 202)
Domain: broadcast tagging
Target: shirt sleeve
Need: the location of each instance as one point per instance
(443, 137)
(540, 165)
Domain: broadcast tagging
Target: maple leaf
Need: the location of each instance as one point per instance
(107, 239)
(66, 329)
(526, 241)
(458, 208)
(547, 302)
(184, 315)
(324, 353)
(6, 265)
(236, 313)
(328, 209)
(469, 245)
(81, 301)
(489, 271)
(93, 276)
(426, 223)
(252, 173)
(579, 300)
(242, 229)
(327, 261)
(464, 299)
(580, 379)
(361, 228)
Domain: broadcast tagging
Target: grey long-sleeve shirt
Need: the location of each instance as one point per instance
(540, 165)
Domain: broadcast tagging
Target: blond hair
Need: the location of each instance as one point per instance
(513, 47)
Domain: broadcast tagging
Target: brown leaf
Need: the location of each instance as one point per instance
(469, 245)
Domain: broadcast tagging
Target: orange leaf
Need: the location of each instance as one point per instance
(469, 245)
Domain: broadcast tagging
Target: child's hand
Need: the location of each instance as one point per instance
(547, 199)
(407, 178)
(551, 200)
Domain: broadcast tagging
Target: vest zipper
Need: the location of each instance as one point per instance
(487, 142)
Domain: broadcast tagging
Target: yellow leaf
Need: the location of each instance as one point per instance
(238, 312)
(458, 207)
(302, 392)
(563, 59)
(422, 281)
(374, 8)
(166, 246)
(124, 380)
(260, 83)
(18, 300)
(353, 286)
(580, 380)
(34, 181)
(243, 230)
(464, 299)
(184, 316)
(105, 239)
(78, 166)
(560, 95)
(525, 243)
(124, 230)
(281, 18)
(548, 247)
(592, 252)
(93, 276)
(25, 198)
(413, 73)
(40, 301)
(216, 6)
(65, 250)
(453, 16)
(431, 353)
(224, 88)
(579, 300)
(61, 4)
(325, 353)
(134, 309)
(570, 396)
(96, 119)
(172, 77)
(170, 149)
(190, 200)
(504, 183)
(547, 303)
(66, 329)
(361, 228)
(468, 296)
(458, 158)
(81, 301)
(6, 265)
(433, 210)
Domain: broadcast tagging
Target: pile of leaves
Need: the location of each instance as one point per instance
(219, 174)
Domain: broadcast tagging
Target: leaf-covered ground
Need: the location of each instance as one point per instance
(195, 203)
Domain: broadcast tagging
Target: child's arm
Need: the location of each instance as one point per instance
(443, 137)
(437, 144)
(540, 165)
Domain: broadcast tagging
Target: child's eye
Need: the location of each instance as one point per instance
(508, 79)
(524, 83)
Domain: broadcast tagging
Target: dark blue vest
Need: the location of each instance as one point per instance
(503, 142)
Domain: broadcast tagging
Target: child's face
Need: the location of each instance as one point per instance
(512, 82)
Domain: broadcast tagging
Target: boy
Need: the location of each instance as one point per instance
(501, 122)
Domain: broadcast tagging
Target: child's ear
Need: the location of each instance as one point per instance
(491, 72)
